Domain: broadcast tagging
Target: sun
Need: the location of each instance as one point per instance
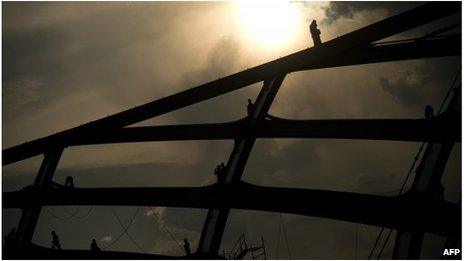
(270, 23)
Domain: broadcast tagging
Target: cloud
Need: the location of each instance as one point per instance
(173, 233)
(158, 212)
(224, 58)
(347, 9)
(414, 87)
(165, 246)
(209, 180)
(403, 90)
(21, 95)
(106, 239)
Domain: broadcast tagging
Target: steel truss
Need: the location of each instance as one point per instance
(415, 212)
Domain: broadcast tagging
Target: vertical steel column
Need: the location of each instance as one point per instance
(428, 179)
(216, 219)
(30, 216)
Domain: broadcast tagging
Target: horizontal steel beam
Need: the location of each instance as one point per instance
(374, 129)
(410, 212)
(330, 54)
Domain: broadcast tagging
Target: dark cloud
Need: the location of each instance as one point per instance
(347, 9)
(402, 91)
(412, 88)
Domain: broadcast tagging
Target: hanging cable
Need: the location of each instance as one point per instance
(367, 231)
(172, 237)
(124, 230)
(411, 169)
(285, 236)
(71, 214)
(55, 216)
(127, 233)
(376, 242)
(122, 233)
(384, 244)
(169, 232)
(449, 91)
(416, 158)
(409, 174)
(86, 214)
(74, 214)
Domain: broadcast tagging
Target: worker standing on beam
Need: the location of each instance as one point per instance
(188, 252)
(220, 172)
(315, 33)
(428, 112)
(55, 241)
(94, 248)
(250, 107)
(69, 183)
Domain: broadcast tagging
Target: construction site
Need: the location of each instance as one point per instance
(400, 222)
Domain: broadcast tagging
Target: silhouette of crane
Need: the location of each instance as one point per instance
(413, 213)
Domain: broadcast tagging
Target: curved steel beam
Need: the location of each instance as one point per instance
(371, 129)
(340, 51)
(410, 212)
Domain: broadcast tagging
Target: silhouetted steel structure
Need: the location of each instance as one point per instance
(412, 214)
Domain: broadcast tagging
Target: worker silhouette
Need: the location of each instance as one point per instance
(94, 247)
(187, 247)
(55, 241)
(220, 172)
(69, 183)
(315, 33)
(250, 107)
(428, 112)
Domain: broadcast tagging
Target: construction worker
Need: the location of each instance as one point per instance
(250, 107)
(428, 112)
(55, 241)
(187, 247)
(69, 183)
(220, 172)
(315, 33)
(217, 172)
(94, 247)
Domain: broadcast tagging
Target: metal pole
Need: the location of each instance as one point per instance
(30, 216)
(216, 219)
(427, 180)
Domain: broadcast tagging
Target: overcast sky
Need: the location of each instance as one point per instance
(66, 63)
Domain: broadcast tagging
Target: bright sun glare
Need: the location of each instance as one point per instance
(271, 23)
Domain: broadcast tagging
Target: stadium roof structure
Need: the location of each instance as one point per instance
(412, 214)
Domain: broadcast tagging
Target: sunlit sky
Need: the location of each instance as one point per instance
(66, 63)
(271, 24)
